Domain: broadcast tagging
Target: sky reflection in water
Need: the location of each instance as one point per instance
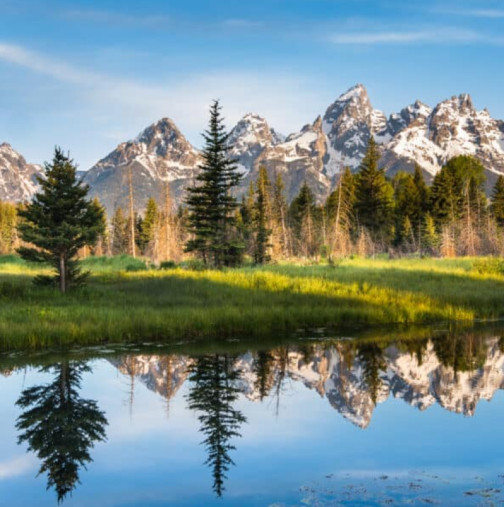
(340, 423)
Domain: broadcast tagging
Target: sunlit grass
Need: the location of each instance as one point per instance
(127, 302)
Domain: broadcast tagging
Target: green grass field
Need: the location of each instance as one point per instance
(126, 302)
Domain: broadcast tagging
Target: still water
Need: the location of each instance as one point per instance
(374, 421)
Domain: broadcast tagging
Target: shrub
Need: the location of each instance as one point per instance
(168, 265)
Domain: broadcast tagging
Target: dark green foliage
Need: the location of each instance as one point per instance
(212, 394)
(498, 201)
(212, 218)
(347, 198)
(59, 221)
(245, 222)
(371, 355)
(303, 218)
(263, 368)
(411, 206)
(147, 226)
(119, 232)
(460, 352)
(60, 427)
(457, 184)
(374, 203)
(262, 212)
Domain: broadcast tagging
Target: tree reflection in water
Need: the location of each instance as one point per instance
(212, 393)
(60, 427)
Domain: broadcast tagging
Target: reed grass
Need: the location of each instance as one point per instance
(126, 302)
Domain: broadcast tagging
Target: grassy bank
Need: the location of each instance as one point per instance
(125, 302)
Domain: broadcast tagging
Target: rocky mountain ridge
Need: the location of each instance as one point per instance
(419, 381)
(316, 154)
(17, 177)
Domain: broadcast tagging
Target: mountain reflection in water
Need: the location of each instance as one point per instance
(61, 427)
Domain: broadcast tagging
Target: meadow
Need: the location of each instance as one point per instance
(127, 302)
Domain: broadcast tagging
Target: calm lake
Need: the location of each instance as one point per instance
(380, 420)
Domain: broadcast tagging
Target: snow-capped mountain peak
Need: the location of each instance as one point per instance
(18, 179)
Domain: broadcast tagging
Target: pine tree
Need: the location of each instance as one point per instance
(280, 234)
(498, 201)
(148, 227)
(246, 220)
(458, 183)
(430, 237)
(59, 221)
(212, 394)
(262, 210)
(102, 246)
(212, 218)
(374, 203)
(59, 426)
(303, 215)
(119, 226)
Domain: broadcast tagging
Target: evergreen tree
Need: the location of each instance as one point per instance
(498, 201)
(246, 220)
(458, 183)
(371, 355)
(212, 218)
(430, 237)
(102, 246)
(280, 234)
(263, 368)
(119, 226)
(262, 212)
(374, 202)
(59, 221)
(148, 226)
(212, 394)
(60, 426)
(303, 218)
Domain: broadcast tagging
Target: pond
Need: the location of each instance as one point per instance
(385, 420)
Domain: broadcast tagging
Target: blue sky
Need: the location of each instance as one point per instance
(87, 75)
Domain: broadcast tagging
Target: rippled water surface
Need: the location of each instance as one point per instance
(374, 421)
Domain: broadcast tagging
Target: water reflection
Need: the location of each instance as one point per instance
(212, 394)
(59, 426)
(452, 371)
(354, 376)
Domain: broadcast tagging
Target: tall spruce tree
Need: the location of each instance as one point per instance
(303, 219)
(457, 185)
(374, 203)
(119, 225)
(59, 426)
(59, 221)
(262, 214)
(212, 217)
(212, 394)
(498, 201)
(148, 226)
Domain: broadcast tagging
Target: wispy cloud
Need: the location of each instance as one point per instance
(476, 13)
(242, 23)
(431, 36)
(120, 103)
(119, 18)
(16, 466)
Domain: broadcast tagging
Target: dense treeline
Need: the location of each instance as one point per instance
(366, 213)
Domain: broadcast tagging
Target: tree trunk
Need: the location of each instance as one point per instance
(62, 270)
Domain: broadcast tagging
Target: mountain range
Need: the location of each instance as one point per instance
(316, 154)
(420, 381)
